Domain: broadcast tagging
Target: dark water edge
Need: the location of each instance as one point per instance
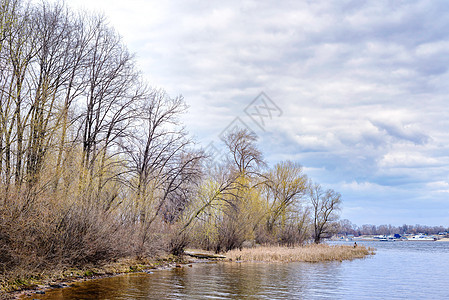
(399, 270)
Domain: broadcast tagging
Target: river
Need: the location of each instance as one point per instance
(399, 270)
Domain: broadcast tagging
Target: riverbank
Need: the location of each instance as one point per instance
(308, 253)
(63, 278)
(393, 264)
(39, 283)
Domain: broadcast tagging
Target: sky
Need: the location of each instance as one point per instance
(355, 91)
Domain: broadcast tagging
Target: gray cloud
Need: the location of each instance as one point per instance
(363, 85)
(400, 132)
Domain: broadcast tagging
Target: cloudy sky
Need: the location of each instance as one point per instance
(356, 91)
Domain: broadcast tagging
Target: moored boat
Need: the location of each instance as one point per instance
(422, 238)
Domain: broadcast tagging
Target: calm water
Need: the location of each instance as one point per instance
(399, 270)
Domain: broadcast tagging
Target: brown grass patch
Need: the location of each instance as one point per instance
(308, 253)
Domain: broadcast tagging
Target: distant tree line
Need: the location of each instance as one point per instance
(96, 165)
(346, 227)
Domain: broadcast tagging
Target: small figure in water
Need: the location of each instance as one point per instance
(355, 244)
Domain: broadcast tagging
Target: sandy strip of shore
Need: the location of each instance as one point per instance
(443, 240)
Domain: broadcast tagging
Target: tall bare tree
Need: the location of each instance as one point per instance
(109, 97)
(325, 205)
(163, 165)
(244, 154)
(20, 46)
(49, 72)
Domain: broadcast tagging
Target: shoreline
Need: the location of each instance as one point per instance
(396, 240)
(133, 265)
(61, 279)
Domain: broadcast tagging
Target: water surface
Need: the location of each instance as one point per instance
(399, 270)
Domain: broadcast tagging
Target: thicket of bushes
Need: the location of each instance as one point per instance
(94, 164)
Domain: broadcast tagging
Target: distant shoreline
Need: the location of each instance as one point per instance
(378, 238)
(443, 240)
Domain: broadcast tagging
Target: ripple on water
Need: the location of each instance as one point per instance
(402, 270)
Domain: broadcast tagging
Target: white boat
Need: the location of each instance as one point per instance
(381, 238)
(421, 238)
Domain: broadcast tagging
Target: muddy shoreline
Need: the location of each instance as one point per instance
(129, 266)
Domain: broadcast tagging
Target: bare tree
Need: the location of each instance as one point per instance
(49, 71)
(162, 163)
(110, 96)
(325, 205)
(18, 50)
(244, 154)
(75, 84)
(346, 227)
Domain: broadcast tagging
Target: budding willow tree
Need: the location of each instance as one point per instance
(286, 186)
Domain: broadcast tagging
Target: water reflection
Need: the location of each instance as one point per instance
(211, 281)
(398, 271)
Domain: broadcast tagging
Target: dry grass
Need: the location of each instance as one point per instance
(309, 253)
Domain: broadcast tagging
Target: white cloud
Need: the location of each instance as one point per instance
(407, 160)
(363, 187)
(438, 184)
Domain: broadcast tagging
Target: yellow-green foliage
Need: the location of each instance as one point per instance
(266, 209)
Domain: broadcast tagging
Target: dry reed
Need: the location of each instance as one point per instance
(309, 253)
